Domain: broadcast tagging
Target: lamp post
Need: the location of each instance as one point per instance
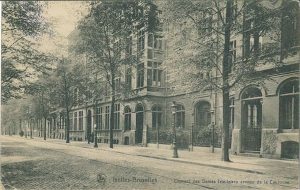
(173, 109)
(212, 128)
(95, 135)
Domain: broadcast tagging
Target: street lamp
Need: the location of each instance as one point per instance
(95, 135)
(173, 109)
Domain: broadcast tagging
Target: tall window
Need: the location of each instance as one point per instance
(289, 105)
(99, 117)
(117, 116)
(75, 121)
(156, 117)
(129, 46)
(107, 117)
(290, 25)
(140, 75)
(154, 74)
(118, 85)
(232, 52)
(128, 78)
(80, 120)
(203, 116)
(252, 107)
(141, 40)
(63, 121)
(252, 41)
(127, 124)
(234, 11)
(71, 121)
(75, 96)
(180, 116)
(155, 41)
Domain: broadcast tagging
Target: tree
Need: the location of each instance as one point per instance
(104, 36)
(22, 24)
(64, 83)
(205, 37)
(41, 100)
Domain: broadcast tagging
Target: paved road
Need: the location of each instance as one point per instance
(28, 164)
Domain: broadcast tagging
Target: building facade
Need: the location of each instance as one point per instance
(264, 116)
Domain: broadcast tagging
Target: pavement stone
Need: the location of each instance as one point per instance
(199, 157)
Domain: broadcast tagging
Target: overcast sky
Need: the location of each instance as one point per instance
(63, 16)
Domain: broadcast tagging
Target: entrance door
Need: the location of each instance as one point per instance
(139, 124)
(252, 120)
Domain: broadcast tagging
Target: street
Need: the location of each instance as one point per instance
(31, 164)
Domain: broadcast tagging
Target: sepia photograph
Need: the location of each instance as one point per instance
(150, 94)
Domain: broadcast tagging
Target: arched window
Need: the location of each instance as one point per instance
(180, 116)
(289, 105)
(252, 108)
(156, 116)
(139, 108)
(203, 116)
(127, 124)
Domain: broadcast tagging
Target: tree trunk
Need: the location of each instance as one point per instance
(67, 127)
(45, 132)
(112, 116)
(225, 90)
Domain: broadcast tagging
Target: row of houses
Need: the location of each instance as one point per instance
(264, 116)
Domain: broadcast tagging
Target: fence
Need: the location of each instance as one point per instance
(196, 136)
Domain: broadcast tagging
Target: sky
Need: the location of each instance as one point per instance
(63, 16)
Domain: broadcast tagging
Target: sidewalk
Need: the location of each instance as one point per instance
(198, 157)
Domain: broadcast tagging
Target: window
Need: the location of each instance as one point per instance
(80, 120)
(252, 41)
(155, 41)
(154, 74)
(150, 40)
(232, 53)
(180, 116)
(99, 117)
(75, 96)
(107, 117)
(231, 113)
(61, 122)
(141, 40)
(118, 85)
(140, 75)
(203, 116)
(252, 108)
(75, 121)
(129, 46)
(290, 37)
(156, 117)
(117, 116)
(128, 78)
(71, 121)
(127, 124)
(289, 105)
(234, 11)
